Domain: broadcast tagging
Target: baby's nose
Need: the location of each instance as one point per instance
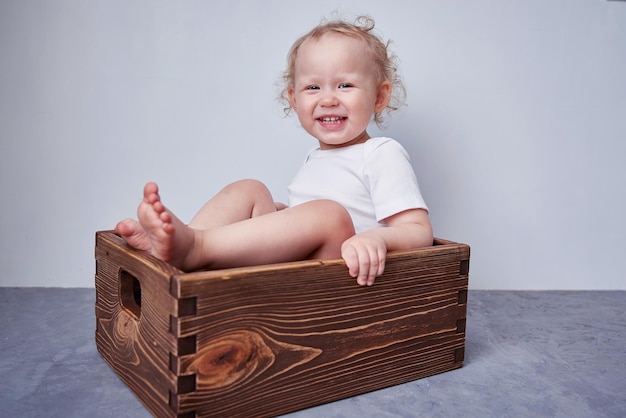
(329, 99)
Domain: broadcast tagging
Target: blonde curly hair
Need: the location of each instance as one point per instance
(384, 61)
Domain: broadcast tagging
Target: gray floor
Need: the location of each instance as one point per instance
(529, 354)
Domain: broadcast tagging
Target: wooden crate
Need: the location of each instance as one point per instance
(267, 340)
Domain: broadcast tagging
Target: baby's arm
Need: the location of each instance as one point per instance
(365, 253)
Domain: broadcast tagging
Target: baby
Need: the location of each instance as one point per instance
(355, 197)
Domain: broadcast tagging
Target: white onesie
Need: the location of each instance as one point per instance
(373, 181)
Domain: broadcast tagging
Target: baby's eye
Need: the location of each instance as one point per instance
(345, 85)
(313, 87)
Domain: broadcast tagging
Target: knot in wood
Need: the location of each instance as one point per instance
(232, 358)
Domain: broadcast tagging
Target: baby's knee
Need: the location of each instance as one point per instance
(337, 218)
(250, 187)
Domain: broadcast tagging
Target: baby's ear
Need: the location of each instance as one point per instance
(383, 97)
(291, 96)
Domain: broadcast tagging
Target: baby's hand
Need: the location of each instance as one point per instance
(365, 256)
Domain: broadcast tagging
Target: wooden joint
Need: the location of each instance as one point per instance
(462, 297)
(184, 346)
(186, 384)
(187, 307)
(174, 402)
(464, 268)
(187, 345)
(174, 363)
(460, 325)
(459, 355)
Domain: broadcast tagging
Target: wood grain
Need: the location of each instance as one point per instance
(278, 338)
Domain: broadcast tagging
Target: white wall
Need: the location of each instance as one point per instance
(515, 121)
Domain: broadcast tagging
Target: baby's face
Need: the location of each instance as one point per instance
(336, 91)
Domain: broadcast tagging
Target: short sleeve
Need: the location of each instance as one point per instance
(391, 179)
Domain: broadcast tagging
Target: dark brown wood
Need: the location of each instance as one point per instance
(272, 339)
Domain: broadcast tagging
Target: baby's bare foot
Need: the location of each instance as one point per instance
(168, 236)
(134, 234)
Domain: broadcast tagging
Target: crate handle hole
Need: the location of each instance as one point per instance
(130, 293)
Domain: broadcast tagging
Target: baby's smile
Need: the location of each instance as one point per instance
(332, 119)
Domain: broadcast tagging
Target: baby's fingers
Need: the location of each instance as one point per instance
(365, 261)
(372, 266)
(351, 258)
(365, 264)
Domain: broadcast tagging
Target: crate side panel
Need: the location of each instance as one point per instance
(136, 343)
(275, 343)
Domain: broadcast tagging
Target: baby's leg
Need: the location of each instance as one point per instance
(311, 230)
(315, 229)
(236, 202)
